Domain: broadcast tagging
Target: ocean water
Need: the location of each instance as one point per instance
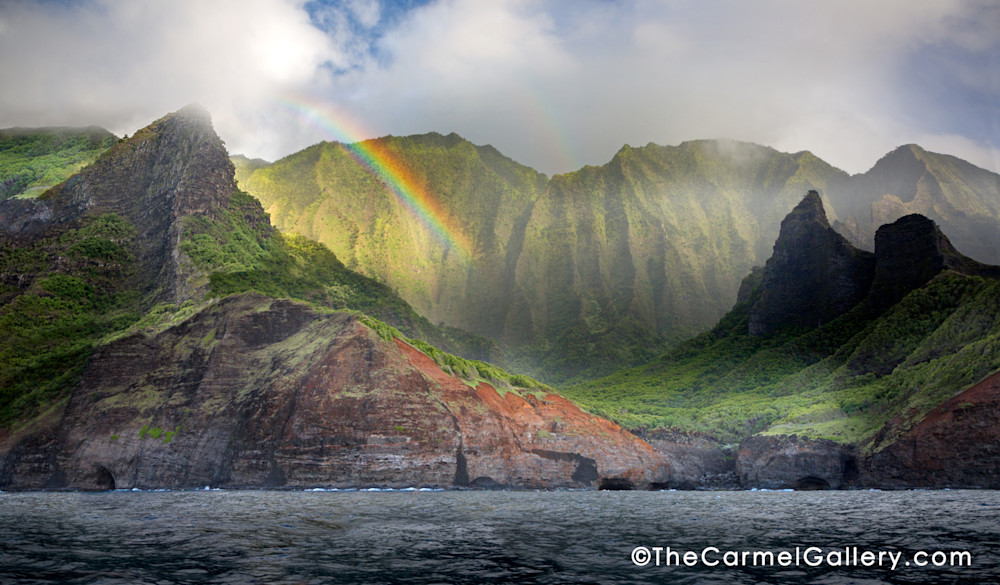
(426, 537)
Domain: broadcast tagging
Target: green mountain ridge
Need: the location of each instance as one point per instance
(581, 273)
(574, 275)
(893, 356)
(34, 159)
(150, 233)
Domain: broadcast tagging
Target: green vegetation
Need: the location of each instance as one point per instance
(576, 276)
(34, 159)
(843, 381)
(326, 194)
(156, 433)
(60, 296)
(240, 252)
(465, 369)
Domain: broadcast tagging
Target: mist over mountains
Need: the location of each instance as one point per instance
(580, 273)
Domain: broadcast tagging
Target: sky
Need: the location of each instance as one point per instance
(554, 84)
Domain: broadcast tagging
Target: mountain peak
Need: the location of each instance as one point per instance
(813, 275)
(193, 111)
(175, 167)
(809, 210)
(911, 251)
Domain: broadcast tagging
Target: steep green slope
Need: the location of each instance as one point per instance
(237, 250)
(898, 353)
(34, 159)
(843, 381)
(620, 260)
(326, 193)
(606, 266)
(60, 294)
(576, 276)
(105, 266)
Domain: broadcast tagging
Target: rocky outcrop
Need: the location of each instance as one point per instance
(695, 460)
(908, 253)
(175, 167)
(813, 275)
(792, 462)
(956, 445)
(256, 392)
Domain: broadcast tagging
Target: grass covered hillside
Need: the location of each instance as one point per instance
(325, 193)
(575, 276)
(842, 381)
(927, 329)
(34, 159)
(106, 270)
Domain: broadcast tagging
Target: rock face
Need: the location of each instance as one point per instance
(956, 445)
(813, 275)
(695, 461)
(175, 167)
(791, 462)
(256, 392)
(911, 251)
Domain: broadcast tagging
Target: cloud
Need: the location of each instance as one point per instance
(123, 64)
(554, 84)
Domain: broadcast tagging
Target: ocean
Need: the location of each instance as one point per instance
(429, 537)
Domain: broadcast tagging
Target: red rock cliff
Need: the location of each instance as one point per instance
(256, 392)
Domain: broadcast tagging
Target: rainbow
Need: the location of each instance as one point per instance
(407, 186)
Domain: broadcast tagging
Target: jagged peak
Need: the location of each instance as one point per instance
(809, 210)
(915, 234)
(190, 116)
(912, 250)
(813, 275)
(193, 111)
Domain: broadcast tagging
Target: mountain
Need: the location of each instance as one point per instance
(813, 275)
(831, 357)
(581, 273)
(258, 392)
(327, 193)
(34, 159)
(159, 332)
(575, 275)
(962, 198)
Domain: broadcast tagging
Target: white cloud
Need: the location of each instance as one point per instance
(123, 64)
(555, 84)
(366, 12)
